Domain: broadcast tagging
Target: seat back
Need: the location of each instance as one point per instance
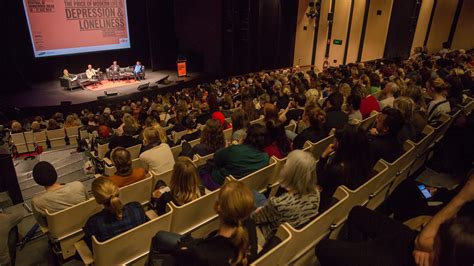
(291, 126)
(165, 176)
(134, 151)
(40, 138)
(442, 127)
(176, 150)
(304, 239)
(56, 137)
(199, 161)
(70, 221)
(368, 122)
(273, 256)
(361, 195)
(279, 165)
(258, 121)
(318, 148)
(139, 191)
(228, 134)
(177, 135)
(23, 142)
(193, 214)
(259, 179)
(83, 134)
(129, 246)
(102, 149)
(421, 148)
(72, 133)
(469, 106)
(385, 181)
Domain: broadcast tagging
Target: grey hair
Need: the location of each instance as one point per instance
(299, 172)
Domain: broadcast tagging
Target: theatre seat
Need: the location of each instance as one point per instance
(127, 248)
(139, 191)
(259, 179)
(24, 142)
(56, 137)
(258, 121)
(194, 214)
(318, 148)
(273, 256)
(72, 134)
(40, 139)
(65, 227)
(397, 171)
(368, 122)
(228, 134)
(303, 240)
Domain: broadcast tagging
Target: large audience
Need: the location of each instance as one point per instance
(406, 96)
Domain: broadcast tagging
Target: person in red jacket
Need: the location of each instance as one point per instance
(368, 103)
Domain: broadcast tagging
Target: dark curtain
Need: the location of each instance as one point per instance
(276, 29)
(161, 32)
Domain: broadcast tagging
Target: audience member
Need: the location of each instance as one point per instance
(347, 161)
(389, 92)
(335, 117)
(125, 141)
(353, 107)
(184, 187)
(212, 139)
(295, 109)
(56, 197)
(239, 160)
(439, 105)
(276, 141)
(315, 117)
(375, 239)
(115, 218)
(158, 156)
(300, 200)
(230, 244)
(9, 237)
(192, 132)
(125, 174)
(368, 103)
(384, 143)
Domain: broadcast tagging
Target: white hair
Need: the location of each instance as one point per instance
(299, 172)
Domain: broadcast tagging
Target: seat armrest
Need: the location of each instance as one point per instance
(151, 214)
(417, 223)
(84, 252)
(108, 162)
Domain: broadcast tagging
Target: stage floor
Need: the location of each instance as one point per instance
(51, 93)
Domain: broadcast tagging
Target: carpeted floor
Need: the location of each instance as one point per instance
(108, 84)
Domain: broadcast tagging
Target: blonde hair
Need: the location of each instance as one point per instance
(130, 121)
(299, 172)
(184, 183)
(234, 204)
(406, 106)
(70, 121)
(151, 136)
(106, 193)
(16, 126)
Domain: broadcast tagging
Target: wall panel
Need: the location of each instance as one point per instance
(464, 37)
(304, 38)
(442, 20)
(339, 31)
(422, 23)
(377, 28)
(356, 30)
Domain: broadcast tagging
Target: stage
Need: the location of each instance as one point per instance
(52, 94)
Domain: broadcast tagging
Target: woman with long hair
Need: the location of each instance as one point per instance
(115, 218)
(315, 117)
(347, 161)
(276, 141)
(240, 123)
(184, 187)
(212, 139)
(230, 244)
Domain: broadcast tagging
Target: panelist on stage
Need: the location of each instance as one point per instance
(69, 76)
(114, 71)
(92, 73)
(139, 71)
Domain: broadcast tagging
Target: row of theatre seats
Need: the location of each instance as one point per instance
(28, 141)
(198, 216)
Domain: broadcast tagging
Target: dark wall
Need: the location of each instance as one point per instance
(199, 33)
(33, 70)
(402, 28)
